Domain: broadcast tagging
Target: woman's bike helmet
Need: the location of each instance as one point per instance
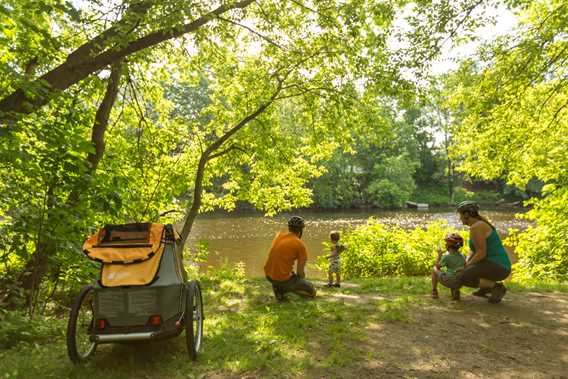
(468, 206)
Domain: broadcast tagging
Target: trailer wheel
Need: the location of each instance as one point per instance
(80, 327)
(193, 319)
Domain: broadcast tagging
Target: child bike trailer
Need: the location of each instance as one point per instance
(142, 294)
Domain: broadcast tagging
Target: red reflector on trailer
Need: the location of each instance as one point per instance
(155, 320)
(101, 324)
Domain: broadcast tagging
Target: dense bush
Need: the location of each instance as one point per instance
(375, 250)
(16, 327)
(336, 190)
(392, 182)
(542, 250)
(385, 194)
(483, 197)
(434, 196)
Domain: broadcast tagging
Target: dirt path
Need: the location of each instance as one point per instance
(526, 336)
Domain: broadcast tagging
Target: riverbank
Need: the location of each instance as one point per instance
(245, 237)
(368, 328)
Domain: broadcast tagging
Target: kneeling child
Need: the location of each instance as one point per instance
(453, 261)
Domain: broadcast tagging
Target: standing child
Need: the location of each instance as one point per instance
(453, 261)
(334, 260)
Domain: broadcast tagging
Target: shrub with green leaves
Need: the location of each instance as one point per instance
(542, 250)
(16, 327)
(375, 250)
(434, 196)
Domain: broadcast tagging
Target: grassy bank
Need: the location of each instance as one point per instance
(248, 334)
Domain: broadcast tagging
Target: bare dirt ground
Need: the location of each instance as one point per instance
(526, 336)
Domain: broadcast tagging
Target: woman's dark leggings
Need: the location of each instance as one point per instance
(484, 269)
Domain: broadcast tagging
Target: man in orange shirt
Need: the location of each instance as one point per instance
(287, 247)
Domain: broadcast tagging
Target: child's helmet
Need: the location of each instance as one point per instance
(454, 239)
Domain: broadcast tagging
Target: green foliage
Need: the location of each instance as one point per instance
(483, 197)
(228, 271)
(376, 250)
(513, 122)
(296, 70)
(375, 174)
(392, 182)
(338, 187)
(16, 327)
(433, 196)
(542, 250)
(329, 96)
(386, 194)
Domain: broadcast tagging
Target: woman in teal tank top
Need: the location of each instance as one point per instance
(488, 262)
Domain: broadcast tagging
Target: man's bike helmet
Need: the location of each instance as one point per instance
(454, 239)
(296, 223)
(468, 206)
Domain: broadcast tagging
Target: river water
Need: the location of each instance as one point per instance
(246, 237)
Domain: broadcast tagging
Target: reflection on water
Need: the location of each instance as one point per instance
(246, 237)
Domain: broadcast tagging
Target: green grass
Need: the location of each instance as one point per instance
(246, 333)
(538, 286)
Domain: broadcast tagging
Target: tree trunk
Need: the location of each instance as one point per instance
(196, 203)
(209, 154)
(36, 267)
(46, 246)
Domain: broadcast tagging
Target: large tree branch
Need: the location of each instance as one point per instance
(132, 16)
(102, 116)
(100, 125)
(82, 65)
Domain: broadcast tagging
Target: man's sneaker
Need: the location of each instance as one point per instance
(435, 294)
(455, 294)
(482, 292)
(329, 285)
(497, 293)
(279, 295)
(337, 285)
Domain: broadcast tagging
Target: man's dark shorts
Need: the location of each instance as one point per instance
(484, 269)
(295, 284)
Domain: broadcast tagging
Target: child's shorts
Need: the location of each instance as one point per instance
(447, 280)
(334, 266)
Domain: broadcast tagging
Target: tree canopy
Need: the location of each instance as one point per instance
(512, 102)
(117, 111)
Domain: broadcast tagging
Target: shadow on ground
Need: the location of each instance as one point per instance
(365, 330)
(526, 336)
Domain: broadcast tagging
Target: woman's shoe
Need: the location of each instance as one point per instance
(497, 293)
(435, 294)
(337, 285)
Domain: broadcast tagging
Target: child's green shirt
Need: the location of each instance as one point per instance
(452, 261)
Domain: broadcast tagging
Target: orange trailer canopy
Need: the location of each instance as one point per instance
(124, 244)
